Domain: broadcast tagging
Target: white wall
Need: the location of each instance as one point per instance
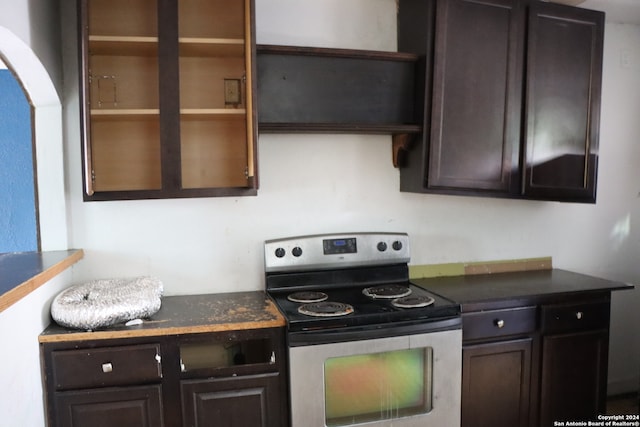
(30, 44)
(47, 133)
(619, 200)
(22, 401)
(37, 24)
(327, 183)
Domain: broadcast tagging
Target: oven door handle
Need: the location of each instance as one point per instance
(327, 336)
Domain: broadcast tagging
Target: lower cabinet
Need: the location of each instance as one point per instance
(536, 365)
(498, 367)
(231, 378)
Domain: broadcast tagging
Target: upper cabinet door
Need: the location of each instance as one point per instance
(564, 72)
(511, 98)
(167, 90)
(476, 106)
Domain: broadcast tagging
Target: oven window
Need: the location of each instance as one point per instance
(377, 386)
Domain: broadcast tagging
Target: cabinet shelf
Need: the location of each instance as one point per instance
(192, 46)
(123, 45)
(362, 128)
(203, 113)
(124, 113)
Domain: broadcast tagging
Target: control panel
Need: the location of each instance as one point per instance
(330, 251)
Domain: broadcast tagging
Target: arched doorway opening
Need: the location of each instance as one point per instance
(19, 229)
(46, 128)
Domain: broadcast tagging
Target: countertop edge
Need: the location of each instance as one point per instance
(146, 333)
(269, 317)
(47, 273)
(489, 304)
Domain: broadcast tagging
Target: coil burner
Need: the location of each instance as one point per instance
(307, 296)
(325, 309)
(391, 291)
(412, 301)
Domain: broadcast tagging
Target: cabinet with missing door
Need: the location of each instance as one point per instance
(200, 358)
(167, 98)
(168, 381)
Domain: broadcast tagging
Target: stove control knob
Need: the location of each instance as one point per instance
(297, 251)
(280, 252)
(382, 246)
(397, 245)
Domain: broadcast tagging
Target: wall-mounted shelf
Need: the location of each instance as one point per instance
(321, 90)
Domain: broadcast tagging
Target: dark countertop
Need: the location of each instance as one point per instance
(187, 314)
(23, 272)
(492, 291)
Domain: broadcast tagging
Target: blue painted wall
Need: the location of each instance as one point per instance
(18, 224)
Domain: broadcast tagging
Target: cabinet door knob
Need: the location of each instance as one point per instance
(500, 323)
(579, 315)
(107, 367)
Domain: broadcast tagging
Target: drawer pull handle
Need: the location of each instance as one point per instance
(579, 315)
(107, 367)
(500, 323)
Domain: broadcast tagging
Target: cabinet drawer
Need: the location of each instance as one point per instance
(496, 323)
(108, 366)
(575, 317)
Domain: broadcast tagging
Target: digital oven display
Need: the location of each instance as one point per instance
(340, 246)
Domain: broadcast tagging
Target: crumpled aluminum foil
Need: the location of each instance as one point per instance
(107, 302)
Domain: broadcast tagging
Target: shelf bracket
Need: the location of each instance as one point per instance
(401, 144)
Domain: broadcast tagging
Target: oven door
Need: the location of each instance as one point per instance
(401, 381)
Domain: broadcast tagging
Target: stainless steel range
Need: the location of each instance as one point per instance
(366, 346)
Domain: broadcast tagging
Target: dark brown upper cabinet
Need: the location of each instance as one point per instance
(510, 101)
(167, 98)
